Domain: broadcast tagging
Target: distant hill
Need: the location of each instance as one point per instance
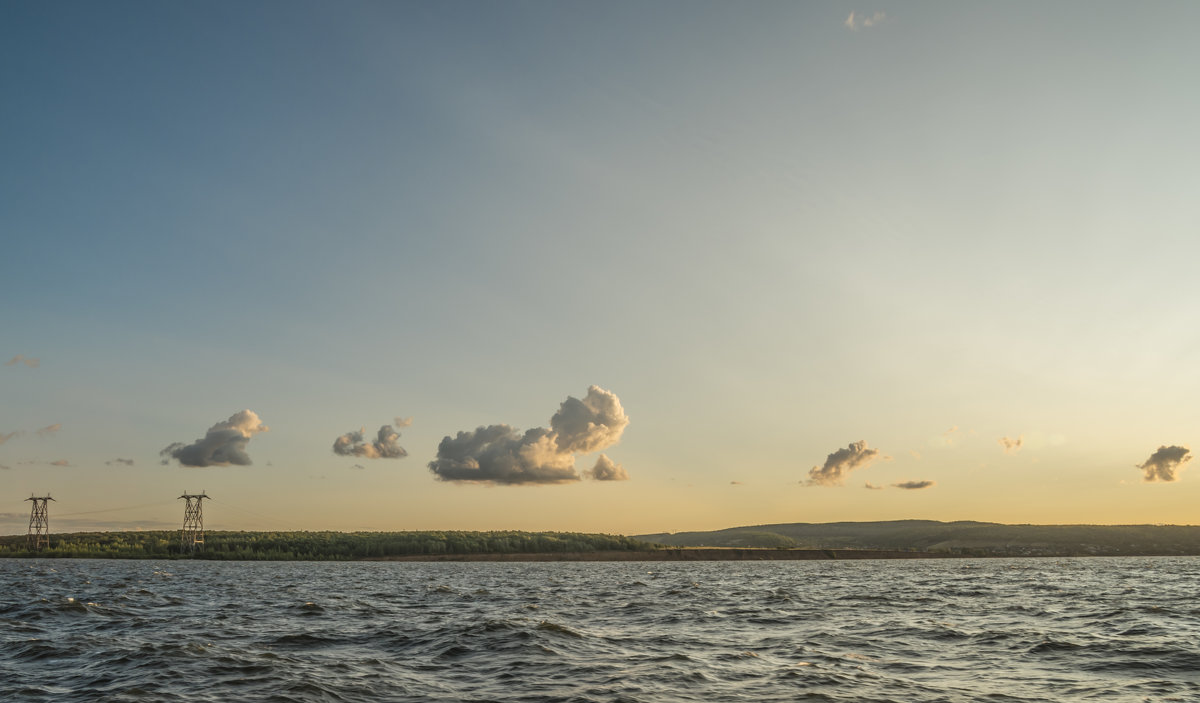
(964, 538)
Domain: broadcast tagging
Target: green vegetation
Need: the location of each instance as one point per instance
(316, 546)
(961, 538)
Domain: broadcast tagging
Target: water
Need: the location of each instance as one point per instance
(902, 631)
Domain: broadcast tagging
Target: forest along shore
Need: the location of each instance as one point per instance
(691, 554)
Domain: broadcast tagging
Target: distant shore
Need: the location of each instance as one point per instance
(687, 554)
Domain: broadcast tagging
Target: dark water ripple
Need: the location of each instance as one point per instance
(1002, 631)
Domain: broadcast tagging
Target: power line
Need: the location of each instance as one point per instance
(113, 510)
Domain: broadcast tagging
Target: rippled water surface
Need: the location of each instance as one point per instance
(905, 631)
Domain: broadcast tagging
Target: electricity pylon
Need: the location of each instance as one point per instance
(39, 523)
(191, 537)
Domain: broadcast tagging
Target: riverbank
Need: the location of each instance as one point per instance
(692, 554)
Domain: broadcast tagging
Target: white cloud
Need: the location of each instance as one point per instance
(223, 444)
(385, 445)
(855, 21)
(500, 454)
(606, 470)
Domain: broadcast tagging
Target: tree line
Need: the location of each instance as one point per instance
(314, 546)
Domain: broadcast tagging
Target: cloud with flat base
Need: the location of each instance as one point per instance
(503, 455)
(223, 444)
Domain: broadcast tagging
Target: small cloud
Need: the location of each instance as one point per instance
(914, 485)
(736, 483)
(606, 470)
(1163, 463)
(1012, 446)
(49, 430)
(840, 463)
(386, 444)
(60, 462)
(854, 22)
(3, 467)
(402, 422)
(127, 462)
(223, 444)
(914, 454)
(945, 439)
(5, 437)
(356, 466)
(872, 487)
(22, 359)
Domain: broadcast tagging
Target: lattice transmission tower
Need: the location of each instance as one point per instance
(191, 537)
(39, 522)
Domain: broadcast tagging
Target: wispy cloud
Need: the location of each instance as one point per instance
(400, 422)
(386, 444)
(736, 483)
(1012, 446)
(22, 359)
(223, 444)
(40, 462)
(499, 454)
(947, 438)
(1164, 462)
(49, 430)
(856, 21)
(914, 485)
(843, 461)
(127, 462)
(872, 487)
(606, 470)
(5, 437)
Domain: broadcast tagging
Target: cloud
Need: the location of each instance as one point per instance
(914, 485)
(223, 444)
(606, 470)
(870, 486)
(385, 446)
(60, 462)
(356, 466)
(22, 359)
(840, 463)
(1012, 446)
(854, 22)
(402, 422)
(4, 468)
(127, 462)
(49, 430)
(500, 454)
(736, 483)
(5, 437)
(588, 425)
(1163, 463)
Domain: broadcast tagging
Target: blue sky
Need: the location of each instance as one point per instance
(771, 229)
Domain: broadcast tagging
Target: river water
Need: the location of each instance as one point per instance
(1000, 630)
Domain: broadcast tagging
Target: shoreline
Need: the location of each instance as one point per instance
(687, 554)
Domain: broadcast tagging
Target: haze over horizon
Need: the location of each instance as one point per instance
(602, 267)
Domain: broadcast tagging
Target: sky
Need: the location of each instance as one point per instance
(615, 266)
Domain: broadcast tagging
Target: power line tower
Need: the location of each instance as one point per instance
(191, 537)
(39, 522)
